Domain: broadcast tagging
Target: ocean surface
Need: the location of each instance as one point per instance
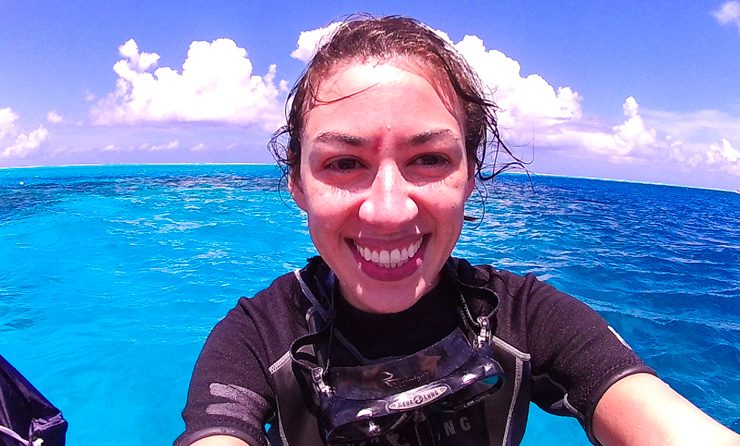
(111, 278)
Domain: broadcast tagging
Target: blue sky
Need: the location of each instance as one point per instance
(634, 90)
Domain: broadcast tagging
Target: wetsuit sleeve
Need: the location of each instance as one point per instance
(229, 391)
(576, 356)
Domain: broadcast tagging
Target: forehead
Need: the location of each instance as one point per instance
(427, 68)
(353, 78)
(403, 81)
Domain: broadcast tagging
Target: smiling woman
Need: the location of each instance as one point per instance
(383, 171)
(385, 338)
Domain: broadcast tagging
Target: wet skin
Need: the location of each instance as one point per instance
(383, 179)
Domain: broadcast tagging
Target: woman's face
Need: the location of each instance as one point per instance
(383, 178)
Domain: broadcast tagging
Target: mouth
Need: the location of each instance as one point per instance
(390, 258)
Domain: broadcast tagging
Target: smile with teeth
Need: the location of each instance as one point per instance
(389, 258)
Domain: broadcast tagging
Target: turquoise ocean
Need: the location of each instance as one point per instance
(111, 278)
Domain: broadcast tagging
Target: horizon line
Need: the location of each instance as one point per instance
(553, 175)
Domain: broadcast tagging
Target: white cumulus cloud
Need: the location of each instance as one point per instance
(701, 138)
(14, 143)
(724, 151)
(627, 141)
(526, 103)
(533, 110)
(54, 117)
(7, 122)
(172, 145)
(216, 84)
(530, 109)
(728, 14)
(724, 156)
(25, 143)
(632, 134)
(138, 61)
(310, 41)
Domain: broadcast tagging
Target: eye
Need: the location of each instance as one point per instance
(431, 160)
(344, 164)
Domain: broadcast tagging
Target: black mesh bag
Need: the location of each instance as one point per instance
(26, 417)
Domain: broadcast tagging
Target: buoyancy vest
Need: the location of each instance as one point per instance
(499, 420)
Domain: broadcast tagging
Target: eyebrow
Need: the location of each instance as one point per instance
(357, 141)
(431, 135)
(343, 138)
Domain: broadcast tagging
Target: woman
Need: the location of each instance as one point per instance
(385, 339)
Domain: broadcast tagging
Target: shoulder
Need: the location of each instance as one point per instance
(527, 293)
(290, 295)
(517, 295)
(266, 323)
(499, 280)
(283, 297)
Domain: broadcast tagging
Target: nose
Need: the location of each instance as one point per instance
(388, 202)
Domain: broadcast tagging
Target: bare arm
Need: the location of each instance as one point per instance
(641, 409)
(219, 440)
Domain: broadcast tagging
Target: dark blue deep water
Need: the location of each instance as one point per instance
(112, 277)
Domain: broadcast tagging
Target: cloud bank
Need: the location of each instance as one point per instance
(216, 84)
(534, 113)
(14, 143)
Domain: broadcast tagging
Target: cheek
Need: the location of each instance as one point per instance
(450, 194)
(326, 204)
(329, 214)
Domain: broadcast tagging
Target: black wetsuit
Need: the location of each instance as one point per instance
(555, 351)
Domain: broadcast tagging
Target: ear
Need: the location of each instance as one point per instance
(296, 191)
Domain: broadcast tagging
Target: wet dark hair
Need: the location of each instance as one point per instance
(365, 38)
